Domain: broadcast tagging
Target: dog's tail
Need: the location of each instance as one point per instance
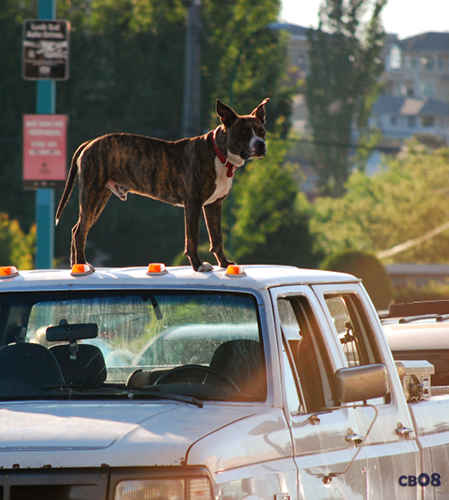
(69, 182)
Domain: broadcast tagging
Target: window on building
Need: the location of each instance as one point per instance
(428, 121)
(427, 89)
(395, 57)
(393, 120)
(411, 121)
(428, 63)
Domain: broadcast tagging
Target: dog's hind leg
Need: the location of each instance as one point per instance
(90, 211)
(212, 217)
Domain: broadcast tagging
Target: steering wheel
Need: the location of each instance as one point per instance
(178, 372)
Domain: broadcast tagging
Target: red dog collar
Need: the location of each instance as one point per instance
(230, 166)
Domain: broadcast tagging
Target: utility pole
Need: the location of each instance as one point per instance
(191, 124)
(46, 97)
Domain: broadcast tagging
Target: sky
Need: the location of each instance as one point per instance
(403, 17)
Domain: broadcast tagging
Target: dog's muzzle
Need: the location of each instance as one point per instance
(257, 147)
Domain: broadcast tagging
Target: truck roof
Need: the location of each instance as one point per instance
(254, 277)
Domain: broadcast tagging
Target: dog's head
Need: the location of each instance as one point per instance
(245, 134)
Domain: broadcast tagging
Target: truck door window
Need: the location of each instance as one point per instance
(352, 329)
(303, 342)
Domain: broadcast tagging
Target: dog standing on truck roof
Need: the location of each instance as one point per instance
(195, 173)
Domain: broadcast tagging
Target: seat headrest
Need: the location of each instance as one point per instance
(87, 370)
(31, 364)
(242, 360)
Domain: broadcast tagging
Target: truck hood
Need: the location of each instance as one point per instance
(75, 434)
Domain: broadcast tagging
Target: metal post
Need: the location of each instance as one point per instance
(46, 96)
(192, 103)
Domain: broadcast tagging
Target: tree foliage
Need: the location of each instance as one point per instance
(341, 86)
(366, 267)
(127, 74)
(268, 218)
(403, 201)
(16, 247)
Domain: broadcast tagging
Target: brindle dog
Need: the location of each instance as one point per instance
(195, 173)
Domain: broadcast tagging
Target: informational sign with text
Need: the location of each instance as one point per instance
(44, 150)
(46, 49)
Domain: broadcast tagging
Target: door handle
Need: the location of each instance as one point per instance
(352, 437)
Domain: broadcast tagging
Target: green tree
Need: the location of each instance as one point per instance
(245, 59)
(369, 269)
(16, 247)
(405, 200)
(268, 219)
(16, 98)
(127, 74)
(343, 82)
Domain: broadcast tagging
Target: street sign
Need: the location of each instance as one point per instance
(46, 49)
(44, 150)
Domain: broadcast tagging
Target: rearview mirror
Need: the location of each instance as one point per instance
(360, 383)
(71, 331)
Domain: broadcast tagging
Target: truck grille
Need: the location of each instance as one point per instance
(63, 484)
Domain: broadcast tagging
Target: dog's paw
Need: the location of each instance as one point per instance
(224, 264)
(205, 267)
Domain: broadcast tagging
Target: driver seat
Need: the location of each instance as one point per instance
(27, 366)
(242, 361)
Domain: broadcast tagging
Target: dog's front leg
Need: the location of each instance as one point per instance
(212, 216)
(192, 213)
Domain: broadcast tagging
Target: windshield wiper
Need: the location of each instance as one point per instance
(154, 394)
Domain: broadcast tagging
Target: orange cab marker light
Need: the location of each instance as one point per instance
(8, 272)
(234, 271)
(156, 269)
(81, 270)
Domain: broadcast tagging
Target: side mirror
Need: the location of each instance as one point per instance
(360, 383)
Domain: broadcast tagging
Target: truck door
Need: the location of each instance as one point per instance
(322, 437)
(389, 451)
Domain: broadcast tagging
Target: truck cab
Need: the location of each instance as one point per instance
(160, 382)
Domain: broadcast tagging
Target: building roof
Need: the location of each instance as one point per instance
(430, 41)
(387, 104)
(407, 106)
(294, 29)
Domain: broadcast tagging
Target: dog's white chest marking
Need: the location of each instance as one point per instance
(223, 183)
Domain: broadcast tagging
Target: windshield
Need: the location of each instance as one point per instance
(131, 343)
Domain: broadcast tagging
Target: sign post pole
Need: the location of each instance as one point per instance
(46, 97)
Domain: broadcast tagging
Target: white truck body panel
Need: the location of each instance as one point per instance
(285, 446)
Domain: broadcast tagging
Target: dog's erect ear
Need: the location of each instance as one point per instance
(259, 111)
(226, 113)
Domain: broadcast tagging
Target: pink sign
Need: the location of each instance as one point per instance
(44, 148)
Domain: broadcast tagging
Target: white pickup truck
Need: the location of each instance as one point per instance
(261, 382)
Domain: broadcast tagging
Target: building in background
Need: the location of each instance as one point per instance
(415, 98)
(418, 66)
(402, 117)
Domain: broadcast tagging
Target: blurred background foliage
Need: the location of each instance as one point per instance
(403, 201)
(127, 74)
